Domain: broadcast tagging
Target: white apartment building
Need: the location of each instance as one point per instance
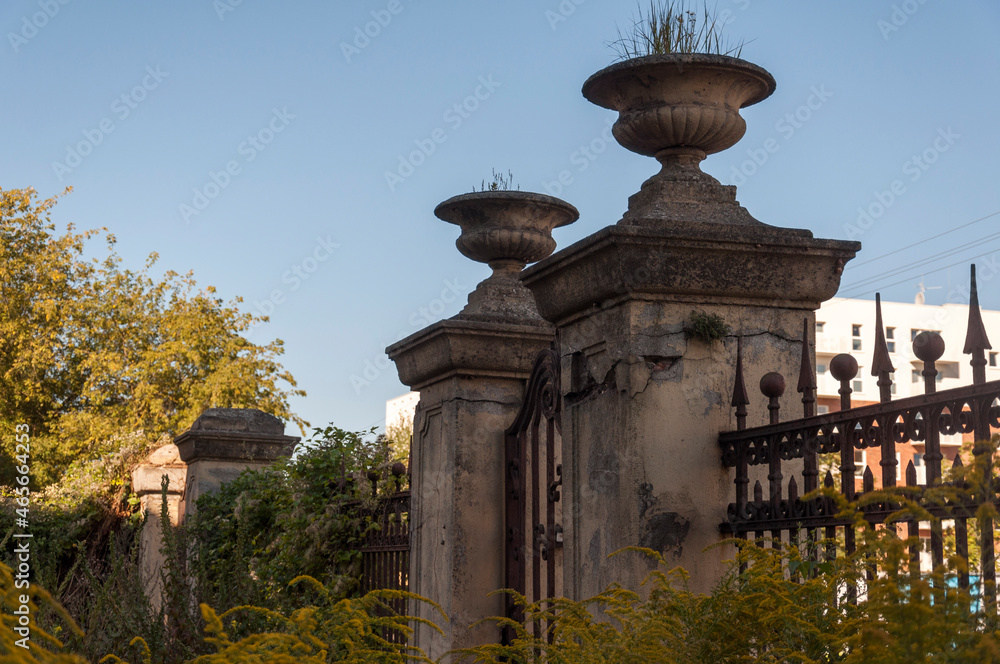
(848, 326)
(403, 407)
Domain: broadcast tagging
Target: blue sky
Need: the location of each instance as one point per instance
(250, 142)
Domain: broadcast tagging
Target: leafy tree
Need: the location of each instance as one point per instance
(90, 350)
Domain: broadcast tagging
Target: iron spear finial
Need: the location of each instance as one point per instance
(807, 379)
(976, 341)
(740, 398)
(881, 362)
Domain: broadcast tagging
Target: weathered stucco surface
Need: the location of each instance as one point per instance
(644, 404)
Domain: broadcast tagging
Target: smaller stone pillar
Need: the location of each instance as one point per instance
(147, 484)
(222, 443)
(470, 371)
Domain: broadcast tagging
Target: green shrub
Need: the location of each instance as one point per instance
(765, 614)
(706, 327)
(783, 603)
(296, 517)
(325, 629)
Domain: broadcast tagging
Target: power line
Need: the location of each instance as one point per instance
(916, 244)
(896, 283)
(918, 264)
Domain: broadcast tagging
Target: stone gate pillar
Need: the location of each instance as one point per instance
(644, 399)
(147, 483)
(470, 371)
(222, 443)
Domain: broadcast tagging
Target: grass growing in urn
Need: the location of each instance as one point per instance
(499, 182)
(669, 26)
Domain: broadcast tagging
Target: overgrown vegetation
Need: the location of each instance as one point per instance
(669, 26)
(325, 629)
(245, 546)
(765, 615)
(296, 517)
(706, 327)
(786, 603)
(776, 603)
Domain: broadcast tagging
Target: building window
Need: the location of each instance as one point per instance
(821, 368)
(856, 334)
(892, 388)
(822, 410)
(899, 467)
(918, 376)
(819, 327)
(857, 386)
(993, 359)
(890, 335)
(918, 459)
(860, 463)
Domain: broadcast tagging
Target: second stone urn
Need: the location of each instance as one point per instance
(507, 230)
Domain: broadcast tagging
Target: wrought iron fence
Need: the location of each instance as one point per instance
(973, 411)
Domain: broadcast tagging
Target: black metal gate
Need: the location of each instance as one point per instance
(385, 549)
(533, 513)
(973, 410)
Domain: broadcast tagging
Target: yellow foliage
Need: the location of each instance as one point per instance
(19, 606)
(93, 350)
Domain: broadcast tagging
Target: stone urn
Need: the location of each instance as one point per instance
(679, 108)
(506, 230)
